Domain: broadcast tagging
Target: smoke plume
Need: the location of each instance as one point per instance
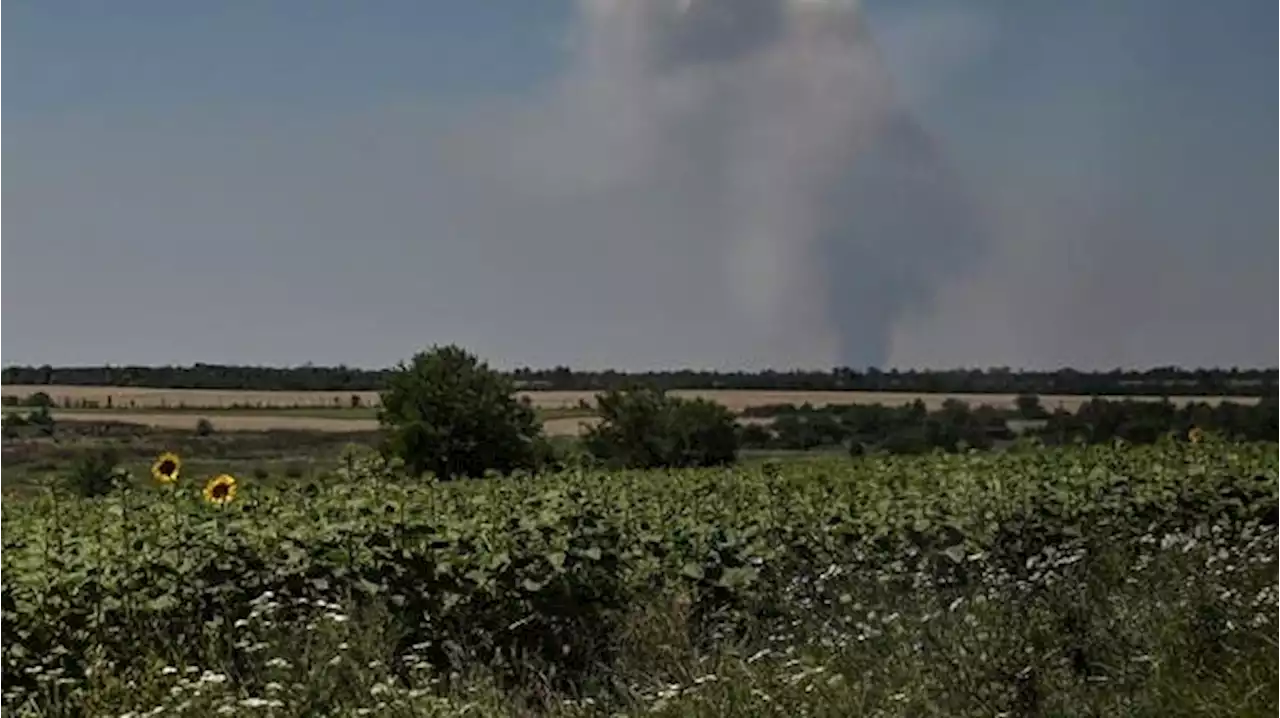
(756, 149)
(684, 183)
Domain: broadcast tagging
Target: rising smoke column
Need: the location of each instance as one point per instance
(833, 209)
(714, 183)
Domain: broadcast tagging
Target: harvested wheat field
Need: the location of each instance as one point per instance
(122, 398)
(232, 410)
(569, 426)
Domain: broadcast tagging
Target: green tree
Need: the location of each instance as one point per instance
(754, 436)
(451, 414)
(9, 426)
(96, 473)
(643, 427)
(704, 433)
(1029, 407)
(42, 418)
(40, 399)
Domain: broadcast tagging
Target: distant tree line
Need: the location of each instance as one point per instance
(956, 426)
(204, 376)
(1165, 381)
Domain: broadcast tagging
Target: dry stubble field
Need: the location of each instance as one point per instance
(242, 410)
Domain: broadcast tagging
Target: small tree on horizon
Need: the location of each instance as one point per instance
(1029, 407)
(449, 413)
(642, 427)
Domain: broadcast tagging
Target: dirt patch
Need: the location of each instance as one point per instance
(570, 426)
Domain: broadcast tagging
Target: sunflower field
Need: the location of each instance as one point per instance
(1085, 580)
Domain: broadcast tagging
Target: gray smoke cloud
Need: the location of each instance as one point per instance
(749, 159)
(702, 183)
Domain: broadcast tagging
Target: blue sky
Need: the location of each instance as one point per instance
(283, 182)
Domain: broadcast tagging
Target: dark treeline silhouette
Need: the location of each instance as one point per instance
(912, 428)
(1165, 381)
(203, 376)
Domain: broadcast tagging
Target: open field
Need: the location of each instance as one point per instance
(274, 421)
(238, 421)
(334, 411)
(556, 422)
(136, 398)
(34, 462)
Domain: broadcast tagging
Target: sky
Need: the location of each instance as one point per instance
(718, 184)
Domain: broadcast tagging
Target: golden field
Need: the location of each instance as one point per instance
(734, 399)
(243, 410)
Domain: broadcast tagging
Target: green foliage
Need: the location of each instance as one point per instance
(956, 426)
(1029, 407)
(1095, 580)
(40, 399)
(96, 473)
(643, 427)
(1159, 381)
(9, 429)
(449, 413)
(903, 429)
(43, 419)
(751, 434)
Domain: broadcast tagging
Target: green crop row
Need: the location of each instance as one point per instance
(541, 570)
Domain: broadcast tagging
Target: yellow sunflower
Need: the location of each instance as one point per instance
(166, 468)
(1195, 435)
(220, 489)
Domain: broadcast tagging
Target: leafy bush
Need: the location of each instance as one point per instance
(643, 427)
(451, 414)
(43, 419)
(204, 427)
(13, 424)
(40, 399)
(754, 435)
(1029, 407)
(96, 473)
(568, 452)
